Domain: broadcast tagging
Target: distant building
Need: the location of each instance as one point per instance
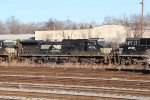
(116, 33)
(146, 32)
(111, 33)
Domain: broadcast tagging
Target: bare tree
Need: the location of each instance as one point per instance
(108, 20)
(133, 21)
(135, 25)
(28, 28)
(13, 25)
(53, 24)
(147, 20)
(2, 28)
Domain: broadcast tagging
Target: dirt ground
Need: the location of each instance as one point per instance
(60, 82)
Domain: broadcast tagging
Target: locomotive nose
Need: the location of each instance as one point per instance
(10, 51)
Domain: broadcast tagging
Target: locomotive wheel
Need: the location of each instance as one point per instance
(40, 62)
(73, 60)
(87, 61)
(1, 59)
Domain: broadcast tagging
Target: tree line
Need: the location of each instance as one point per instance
(132, 21)
(13, 25)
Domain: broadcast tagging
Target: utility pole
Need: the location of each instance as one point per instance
(142, 17)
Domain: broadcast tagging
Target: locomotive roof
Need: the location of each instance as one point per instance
(132, 39)
(50, 42)
(36, 42)
(73, 39)
(96, 39)
(137, 39)
(29, 42)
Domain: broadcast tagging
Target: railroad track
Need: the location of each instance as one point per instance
(71, 72)
(59, 83)
(105, 92)
(136, 84)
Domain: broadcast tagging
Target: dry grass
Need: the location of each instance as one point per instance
(69, 65)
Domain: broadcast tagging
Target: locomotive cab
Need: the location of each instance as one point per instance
(135, 46)
(8, 50)
(135, 51)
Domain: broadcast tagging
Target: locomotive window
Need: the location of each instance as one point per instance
(148, 42)
(129, 42)
(135, 42)
(132, 43)
(143, 42)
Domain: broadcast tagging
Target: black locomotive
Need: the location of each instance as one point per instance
(94, 51)
(8, 50)
(67, 50)
(135, 51)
